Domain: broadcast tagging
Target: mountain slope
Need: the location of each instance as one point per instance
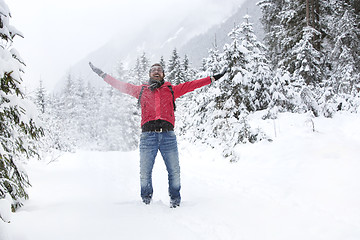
(156, 38)
(197, 48)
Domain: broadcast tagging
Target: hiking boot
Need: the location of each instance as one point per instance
(174, 203)
(147, 201)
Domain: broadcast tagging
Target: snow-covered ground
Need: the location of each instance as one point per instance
(303, 185)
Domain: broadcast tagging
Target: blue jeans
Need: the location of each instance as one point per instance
(150, 144)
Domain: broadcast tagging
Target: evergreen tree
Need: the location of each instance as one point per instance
(141, 69)
(259, 71)
(40, 100)
(120, 72)
(212, 64)
(85, 118)
(198, 105)
(162, 62)
(53, 142)
(307, 60)
(93, 128)
(234, 54)
(174, 71)
(231, 86)
(271, 24)
(118, 121)
(340, 34)
(220, 112)
(282, 95)
(345, 56)
(293, 36)
(82, 109)
(18, 130)
(213, 108)
(203, 65)
(188, 72)
(67, 112)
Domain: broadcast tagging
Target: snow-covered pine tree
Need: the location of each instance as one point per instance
(300, 51)
(199, 105)
(109, 100)
(162, 62)
(83, 108)
(141, 69)
(188, 72)
(294, 33)
(127, 113)
(271, 24)
(308, 71)
(119, 114)
(185, 65)
(280, 91)
(280, 88)
(68, 116)
(119, 71)
(40, 98)
(245, 89)
(119, 121)
(232, 85)
(101, 119)
(174, 72)
(18, 129)
(259, 70)
(185, 104)
(92, 127)
(202, 67)
(53, 142)
(218, 110)
(212, 62)
(345, 56)
(66, 111)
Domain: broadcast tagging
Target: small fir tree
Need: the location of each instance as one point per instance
(18, 129)
(174, 72)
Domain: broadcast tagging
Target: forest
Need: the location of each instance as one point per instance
(309, 62)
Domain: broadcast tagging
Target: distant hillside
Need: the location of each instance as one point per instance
(192, 35)
(197, 48)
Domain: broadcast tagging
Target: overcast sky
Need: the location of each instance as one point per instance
(59, 33)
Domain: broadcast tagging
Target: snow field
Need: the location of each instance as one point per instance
(303, 185)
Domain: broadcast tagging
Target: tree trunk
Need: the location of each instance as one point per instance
(313, 13)
(316, 20)
(307, 12)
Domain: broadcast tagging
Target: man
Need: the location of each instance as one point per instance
(157, 100)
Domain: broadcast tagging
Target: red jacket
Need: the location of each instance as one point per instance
(157, 104)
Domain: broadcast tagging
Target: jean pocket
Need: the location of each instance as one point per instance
(171, 133)
(145, 135)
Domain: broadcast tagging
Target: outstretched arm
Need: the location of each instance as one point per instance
(124, 87)
(186, 87)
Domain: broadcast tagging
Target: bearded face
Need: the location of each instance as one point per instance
(157, 73)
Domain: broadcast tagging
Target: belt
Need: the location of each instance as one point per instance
(157, 126)
(158, 130)
(161, 130)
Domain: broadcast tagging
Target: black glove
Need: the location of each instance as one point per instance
(97, 70)
(219, 75)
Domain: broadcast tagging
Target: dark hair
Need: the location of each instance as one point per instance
(157, 64)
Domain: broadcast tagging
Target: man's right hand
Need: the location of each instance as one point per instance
(97, 70)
